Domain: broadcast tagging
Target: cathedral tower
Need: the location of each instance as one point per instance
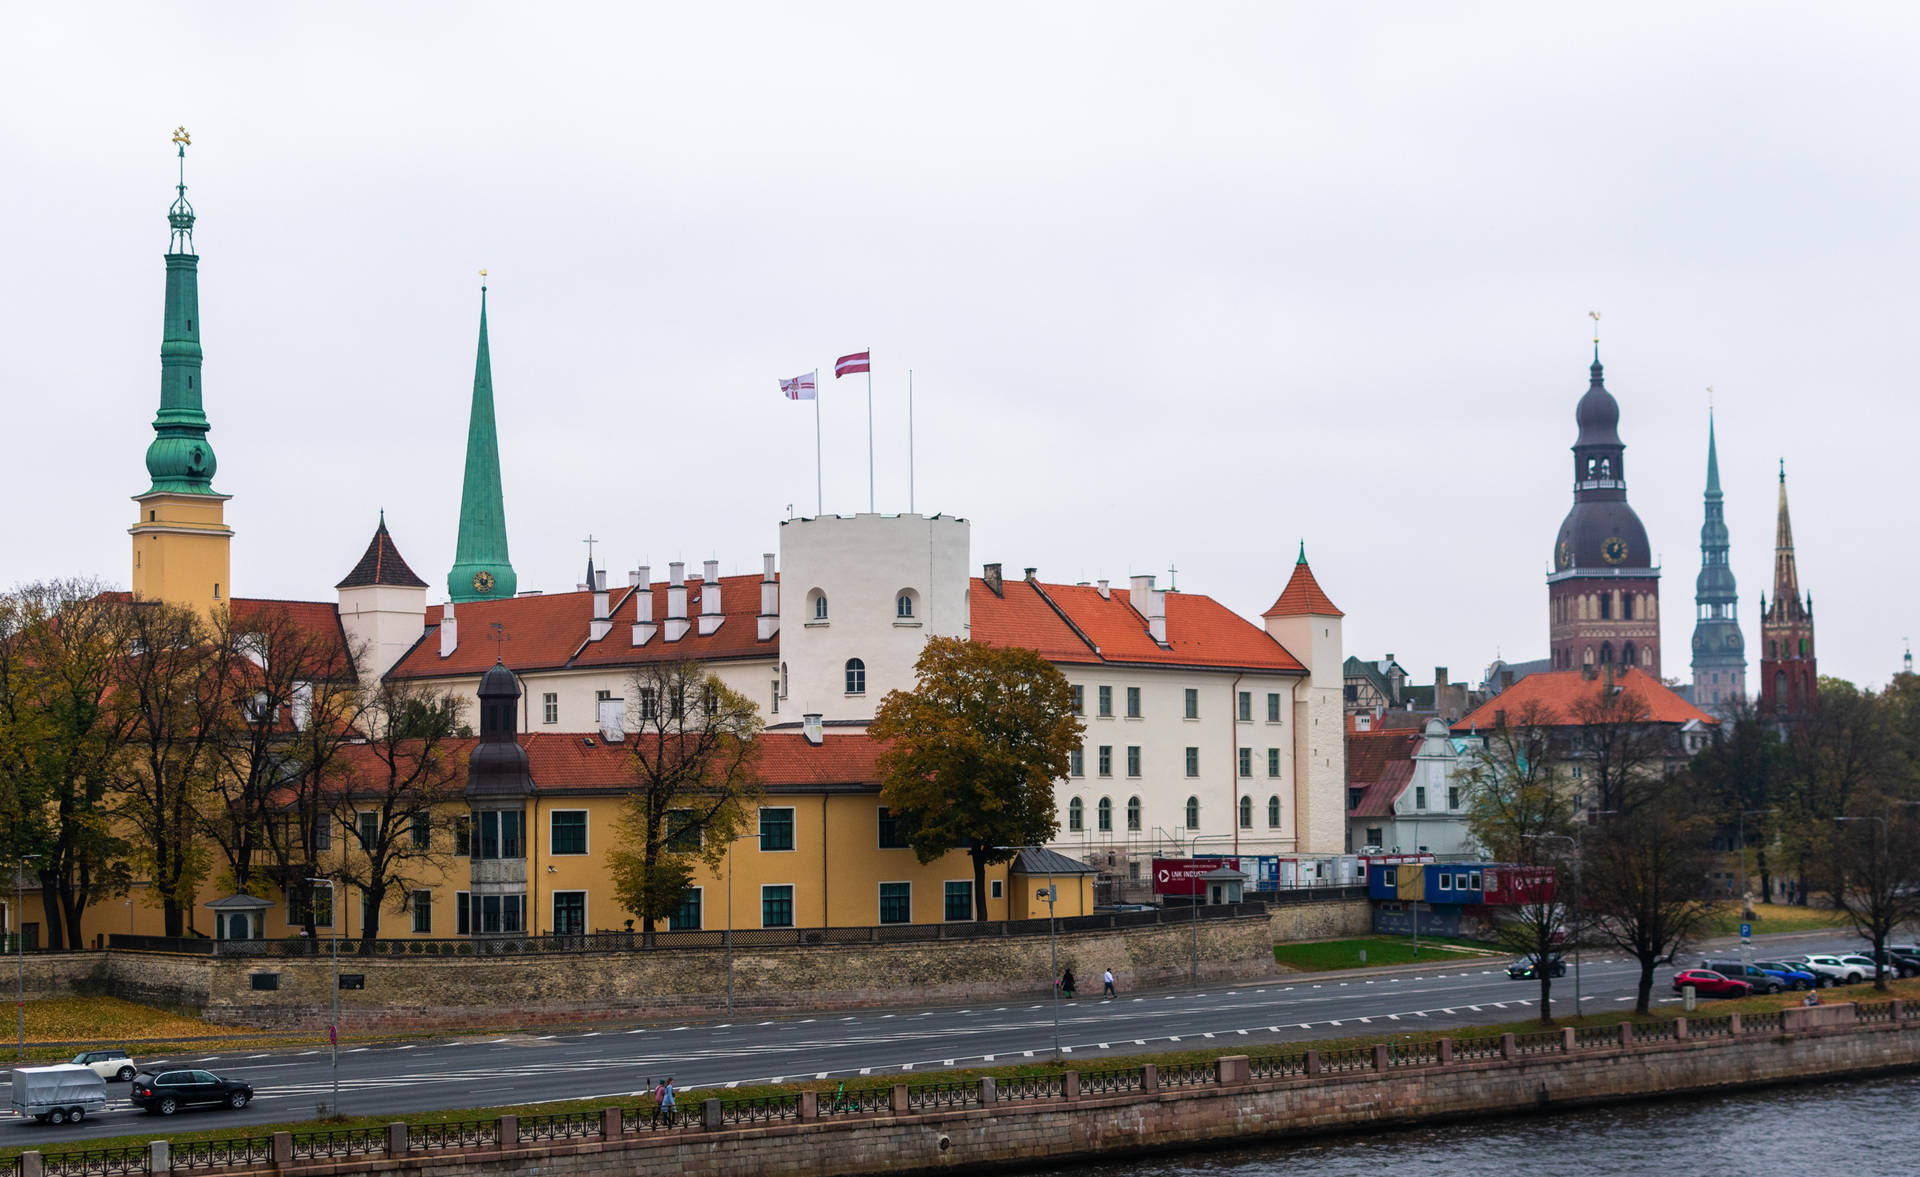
(1788, 673)
(481, 569)
(1719, 654)
(180, 536)
(1603, 596)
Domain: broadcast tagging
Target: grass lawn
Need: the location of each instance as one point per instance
(110, 1021)
(1314, 956)
(692, 1096)
(1773, 917)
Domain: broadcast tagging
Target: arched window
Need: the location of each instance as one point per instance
(783, 680)
(1246, 813)
(856, 677)
(1133, 814)
(1606, 653)
(903, 607)
(1106, 814)
(1626, 656)
(1193, 813)
(1626, 606)
(1273, 812)
(1076, 815)
(1606, 605)
(817, 600)
(1586, 659)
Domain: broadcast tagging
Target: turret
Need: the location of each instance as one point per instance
(383, 606)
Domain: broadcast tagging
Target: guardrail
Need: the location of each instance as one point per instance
(286, 1149)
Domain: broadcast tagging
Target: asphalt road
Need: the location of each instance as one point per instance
(618, 1061)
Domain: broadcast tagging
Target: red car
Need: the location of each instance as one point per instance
(1708, 983)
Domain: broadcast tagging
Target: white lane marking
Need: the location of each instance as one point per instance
(408, 1047)
(1139, 1041)
(1366, 1021)
(1446, 1011)
(1103, 1046)
(1242, 1033)
(211, 1057)
(256, 1056)
(866, 1070)
(1173, 1038)
(724, 1026)
(1066, 1050)
(884, 1017)
(1273, 1029)
(546, 1037)
(591, 1034)
(946, 1062)
(986, 1058)
(1333, 1023)
(1306, 1025)
(643, 1031)
(821, 1075)
(1393, 1017)
(1027, 1054)
(1206, 1035)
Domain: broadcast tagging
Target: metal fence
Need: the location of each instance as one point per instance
(1340, 1062)
(1720, 1027)
(1032, 1087)
(856, 1101)
(1111, 1080)
(460, 1134)
(97, 1162)
(1767, 1023)
(1539, 1042)
(245, 1152)
(759, 1109)
(930, 1097)
(1879, 1011)
(1413, 1054)
(560, 1126)
(1476, 1048)
(339, 1142)
(1266, 1066)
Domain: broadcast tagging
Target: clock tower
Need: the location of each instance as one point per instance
(481, 569)
(1603, 595)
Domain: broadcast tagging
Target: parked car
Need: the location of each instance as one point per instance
(1896, 967)
(1708, 983)
(1840, 970)
(1826, 969)
(1753, 974)
(1524, 970)
(169, 1091)
(108, 1064)
(1795, 975)
(1907, 952)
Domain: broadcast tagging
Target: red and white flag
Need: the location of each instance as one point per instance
(859, 361)
(800, 388)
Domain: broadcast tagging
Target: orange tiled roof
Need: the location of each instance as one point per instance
(318, 618)
(1380, 763)
(1557, 690)
(1200, 630)
(1303, 595)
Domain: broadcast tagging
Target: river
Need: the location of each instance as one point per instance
(1860, 1126)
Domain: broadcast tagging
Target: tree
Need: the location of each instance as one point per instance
(1872, 871)
(694, 759)
(1623, 750)
(1520, 809)
(1740, 772)
(973, 751)
(60, 647)
(387, 789)
(1832, 755)
(1645, 875)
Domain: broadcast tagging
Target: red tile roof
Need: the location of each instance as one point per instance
(1073, 623)
(1022, 617)
(321, 619)
(1303, 595)
(1381, 764)
(1556, 691)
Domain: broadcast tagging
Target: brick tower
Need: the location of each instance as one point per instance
(1789, 675)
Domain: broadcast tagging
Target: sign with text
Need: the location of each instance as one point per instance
(1181, 876)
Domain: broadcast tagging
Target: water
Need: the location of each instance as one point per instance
(1859, 1126)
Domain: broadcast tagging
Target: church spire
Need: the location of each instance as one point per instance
(179, 460)
(1786, 577)
(1789, 670)
(1713, 461)
(1719, 653)
(481, 569)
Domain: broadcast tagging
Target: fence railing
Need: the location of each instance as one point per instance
(1539, 1042)
(1720, 1027)
(560, 1126)
(461, 1134)
(1188, 1075)
(98, 1162)
(930, 1097)
(1413, 1054)
(1032, 1087)
(1479, 1048)
(761, 1109)
(856, 1101)
(1879, 1011)
(1266, 1066)
(339, 1142)
(1764, 1023)
(1112, 1080)
(244, 1152)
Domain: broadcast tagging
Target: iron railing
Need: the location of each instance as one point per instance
(1655, 1032)
(1032, 1087)
(1539, 1042)
(1720, 1027)
(1879, 1011)
(1268, 1066)
(856, 1101)
(97, 1162)
(461, 1134)
(339, 1142)
(245, 1152)
(1764, 1023)
(1413, 1054)
(560, 1126)
(760, 1109)
(1340, 1062)
(933, 1097)
(1109, 1080)
(1592, 1036)
(1466, 1049)
(1189, 1075)
(652, 1118)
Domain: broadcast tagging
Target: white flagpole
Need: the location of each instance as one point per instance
(870, 498)
(910, 441)
(819, 493)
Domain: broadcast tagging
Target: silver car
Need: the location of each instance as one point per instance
(1838, 969)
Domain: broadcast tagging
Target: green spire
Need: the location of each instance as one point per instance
(179, 459)
(1303, 553)
(1713, 461)
(481, 569)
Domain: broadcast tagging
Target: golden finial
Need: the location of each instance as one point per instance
(181, 137)
(483, 273)
(1709, 398)
(1595, 316)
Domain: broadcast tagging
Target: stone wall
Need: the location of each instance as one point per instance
(58, 974)
(1320, 921)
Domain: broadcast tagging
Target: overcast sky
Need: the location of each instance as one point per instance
(1180, 285)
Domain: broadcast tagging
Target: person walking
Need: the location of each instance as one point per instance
(1108, 979)
(663, 1102)
(1066, 984)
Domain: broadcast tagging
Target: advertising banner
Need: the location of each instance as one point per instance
(1181, 876)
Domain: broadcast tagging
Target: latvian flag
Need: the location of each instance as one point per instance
(848, 365)
(800, 388)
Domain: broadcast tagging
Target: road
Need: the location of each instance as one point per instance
(617, 1061)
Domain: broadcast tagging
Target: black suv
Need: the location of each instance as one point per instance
(1761, 980)
(169, 1091)
(1524, 968)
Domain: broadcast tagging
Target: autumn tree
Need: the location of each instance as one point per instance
(693, 759)
(972, 752)
(1645, 874)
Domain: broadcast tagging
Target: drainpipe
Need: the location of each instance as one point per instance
(1233, 758)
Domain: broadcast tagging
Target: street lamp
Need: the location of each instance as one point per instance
(333, 1031)
(1053, 944)
(1191, 847)
(20, 950)
(729, 936)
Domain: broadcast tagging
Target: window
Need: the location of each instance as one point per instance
(1106, 702)
(503, 913)
(320, 901)
(367, 829)
(1374, 837)
(1133, 760)
(649, 704)
(776, 830)
(502, 833)
(903, 607)
(1077, 762)
(958, 898)
(686, 918)
(1133, 814)
(1193, 813)
(895, 832)
(323, 834)
(420, 829)
(1420, 797)
(1446, 881)
(1453, 796)
(421, 904)
(462, 914)
(569, 913)
(896, 903)
(570, 831)
(1193, 703)
(819, 605)
(1246, 813)
(1246, 762)
(1353, 798)
(1079, 699)
(993, 889)
(773, 690)
(1273, 706)
(264, 980)
(1273, 812)
(1246, 706)
(550, 708)
(684, 833)
(1105, 814)
(776, 906)
(856, 677)
(1393, 876)
(1106, 760)
(1193, 761)
(1474, 880)
(1133, 702)
(1606, 606)
(1076, 815)
(1273, 762)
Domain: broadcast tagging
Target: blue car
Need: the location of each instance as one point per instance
(1794, 978)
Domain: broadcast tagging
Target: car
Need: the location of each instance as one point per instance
(1905, 952)
(1894, 965)
(1826, 970)
(1708, 983)
(166, 1092)
(1761, 980)
(1523, 969)
(1843, 971)
(1795, 976)
(108, 1064)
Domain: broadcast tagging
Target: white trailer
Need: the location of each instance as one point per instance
(58, 1094)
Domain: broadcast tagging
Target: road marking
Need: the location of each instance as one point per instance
(866, 1070)
(1103, 1046)
(591, 1034)
(821, 1075)
(1206, 1035)
(1139, 1041)
(943, 1062)
(1273, 1029)
(1173, 1038)
(906, 1066)
(643, 1031)
(724, 1026)
(1242, 1033)
(1306, 1025)
(408, 1047)
(986, 1058)
(211, 1057)
(1474, 1008)
(1499, 1005)
(1366, 1021)
(1393, 1017)
(1446, 1011)
(884, 1017)
(542, 1038)
(1027, 1054)
(1065, 1050)
(1333, 1023)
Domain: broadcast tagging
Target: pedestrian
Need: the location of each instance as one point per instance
(663, 1102)
(1811, 999)
(1109, 983)
(1066, 984)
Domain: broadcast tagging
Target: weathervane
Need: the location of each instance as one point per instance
(180, 216)
(498, 637)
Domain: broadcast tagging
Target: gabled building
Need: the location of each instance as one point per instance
(1408, 791)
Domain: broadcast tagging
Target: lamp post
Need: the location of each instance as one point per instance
(20, 951)
(1053, 944)
(333, 1031)
(729, 935)
(1191, 847)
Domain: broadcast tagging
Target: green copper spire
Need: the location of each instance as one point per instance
(1713, 461)
(1303, 553)
(481, 570)
(180, 460)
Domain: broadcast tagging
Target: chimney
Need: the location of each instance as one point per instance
(643, 626)
(636, 578)
(1106, 591)
(1439, 681)
(991, 574)
(676, 600)
(600, 580)
(710, 614)
(813, 729)
(1151, 603)
(601, 623)
(449, 632)
(1030, 573)
(1363, 721)
(769, 599)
